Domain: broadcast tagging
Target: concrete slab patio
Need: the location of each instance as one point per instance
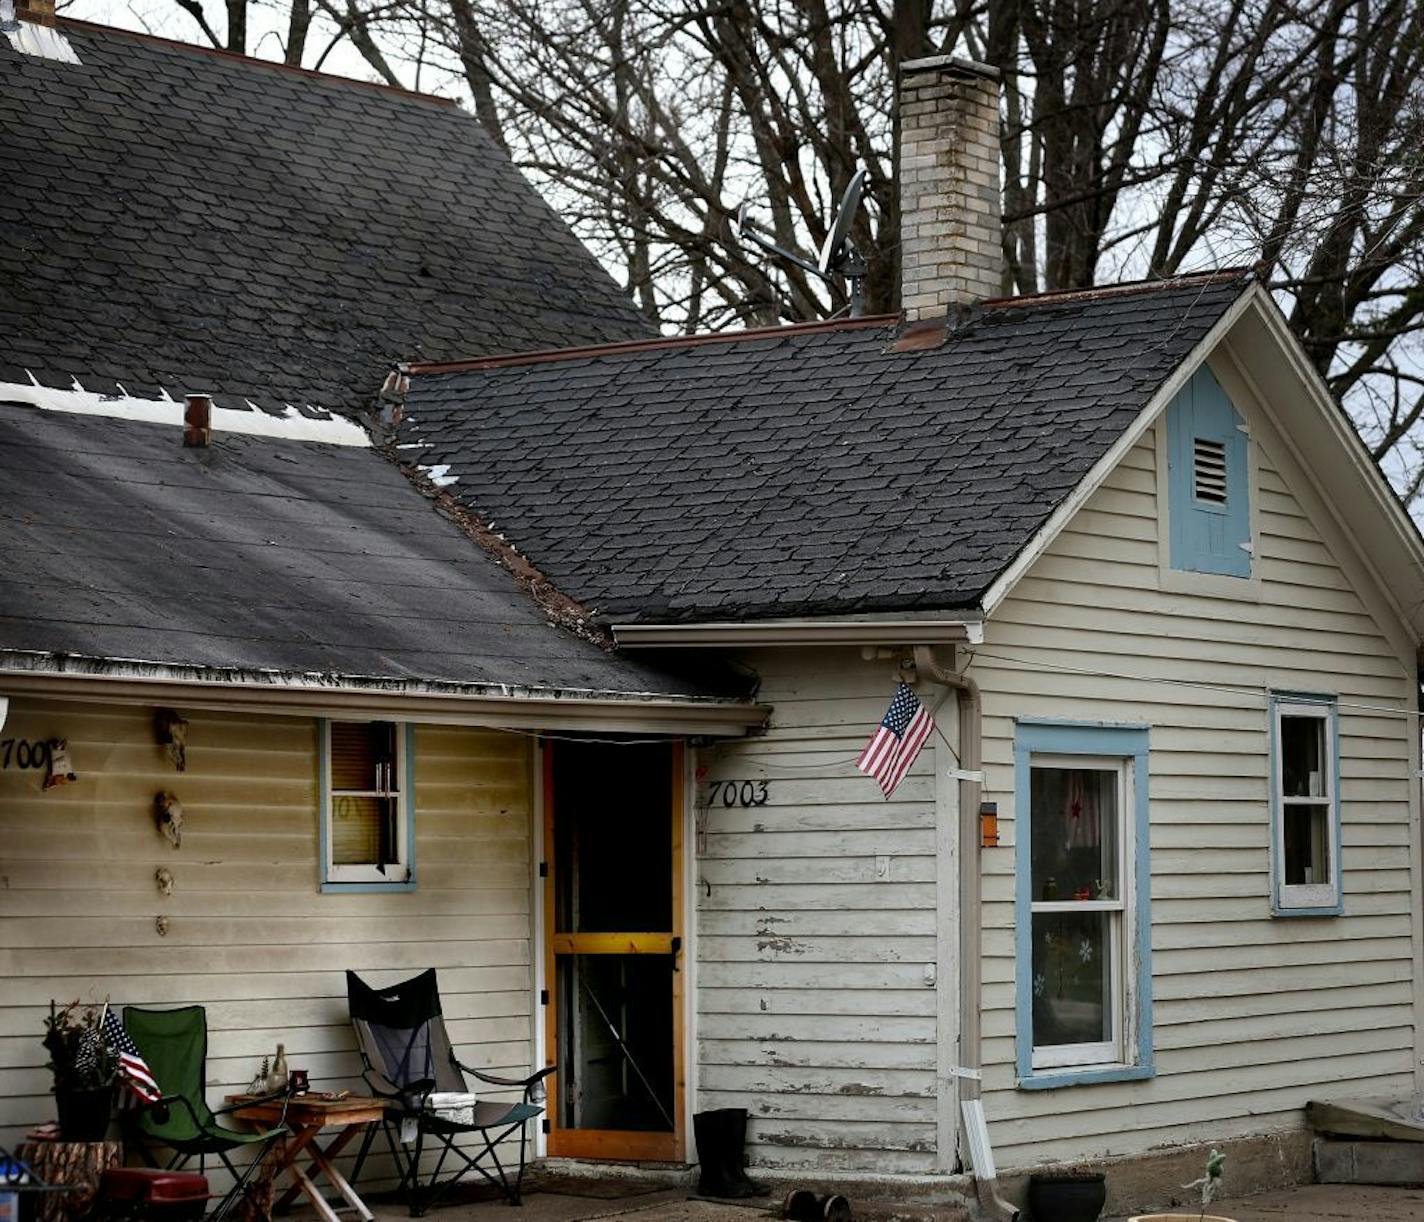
(1326, 1203)
(1307, 1203)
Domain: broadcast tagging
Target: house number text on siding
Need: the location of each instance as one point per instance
(737, 793)
(22, 753)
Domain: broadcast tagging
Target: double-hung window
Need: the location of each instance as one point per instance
(366, 816)
(1305, 806)
(1082, 943)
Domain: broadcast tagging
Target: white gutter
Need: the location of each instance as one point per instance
(282, 694)
(767, 633)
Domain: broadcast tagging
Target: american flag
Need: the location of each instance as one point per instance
(897, 741)
(133, 1069)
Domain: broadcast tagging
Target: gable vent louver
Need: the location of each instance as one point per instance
(1209, 470)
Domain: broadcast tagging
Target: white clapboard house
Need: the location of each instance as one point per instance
(620, 618)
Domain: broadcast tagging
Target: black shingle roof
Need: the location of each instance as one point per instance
(262, 554)
(176, 218)
(809, 471)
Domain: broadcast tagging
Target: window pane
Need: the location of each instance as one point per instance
(363, 831)
(357, 747)
(1075, 829)
(1072, 978)
(1307, 844)
(1303, 756)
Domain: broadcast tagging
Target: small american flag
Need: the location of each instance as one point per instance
(133, 1069)
(897, 741)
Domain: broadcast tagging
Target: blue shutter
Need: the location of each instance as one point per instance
(1209, 500)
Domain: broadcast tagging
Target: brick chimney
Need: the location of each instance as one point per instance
(950, 205)
(41, 12)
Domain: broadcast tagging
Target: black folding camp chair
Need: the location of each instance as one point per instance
(174, 1043)
(401, 1035)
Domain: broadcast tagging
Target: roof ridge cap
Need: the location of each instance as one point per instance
(94, 27)
(1123, 288)
(540, 356)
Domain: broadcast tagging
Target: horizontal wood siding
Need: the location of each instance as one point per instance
(1253, 1016)
(250, 936)
(813, 1009)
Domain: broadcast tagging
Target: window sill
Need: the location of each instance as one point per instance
(1329, 910)
(357, 888)
(1053, 1079)
(1245, 587)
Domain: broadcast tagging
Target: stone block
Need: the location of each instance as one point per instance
(1368, 1162)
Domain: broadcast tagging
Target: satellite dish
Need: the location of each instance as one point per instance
(833, 250)
(740, 224)
(838, 258)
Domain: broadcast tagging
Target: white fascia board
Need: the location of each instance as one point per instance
(772, 633)
(284, 695)
(1356, 491)
(1100, 470)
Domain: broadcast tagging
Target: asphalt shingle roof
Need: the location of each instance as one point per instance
(261, 554)
(810, 471)
(179, 219)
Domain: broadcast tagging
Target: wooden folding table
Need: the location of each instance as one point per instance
(307, 1117)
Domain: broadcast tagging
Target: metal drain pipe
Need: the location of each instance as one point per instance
(971, 761)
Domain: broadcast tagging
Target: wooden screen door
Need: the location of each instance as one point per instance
(613, 957)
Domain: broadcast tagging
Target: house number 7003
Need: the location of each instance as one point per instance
(737, 793)
(22, 753)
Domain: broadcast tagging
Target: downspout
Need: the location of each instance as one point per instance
(971, 760)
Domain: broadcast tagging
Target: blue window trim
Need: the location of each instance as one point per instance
(1037, 736)
(1331, 704)
(323, 741)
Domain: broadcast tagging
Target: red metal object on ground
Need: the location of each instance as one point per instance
(144, 1192)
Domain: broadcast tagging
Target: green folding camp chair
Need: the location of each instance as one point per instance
(175, 1045)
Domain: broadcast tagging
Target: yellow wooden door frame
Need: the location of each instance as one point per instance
(616, 1144)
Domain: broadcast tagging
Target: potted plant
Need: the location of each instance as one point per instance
(1069, 1194)
(84, 1071)
(1210, 1185)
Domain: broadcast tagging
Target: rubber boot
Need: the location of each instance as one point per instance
(705, 1129)
(721, 1136)
(736, 1155)
(713, 1137)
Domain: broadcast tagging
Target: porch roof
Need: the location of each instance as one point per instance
(276, 561)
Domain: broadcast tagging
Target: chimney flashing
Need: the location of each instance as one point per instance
(29, 25)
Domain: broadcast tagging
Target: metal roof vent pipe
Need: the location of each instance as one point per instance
(198, 421)
(9, 23)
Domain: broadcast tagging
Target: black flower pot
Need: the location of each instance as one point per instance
(84, 1114)
(1066, 1198)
